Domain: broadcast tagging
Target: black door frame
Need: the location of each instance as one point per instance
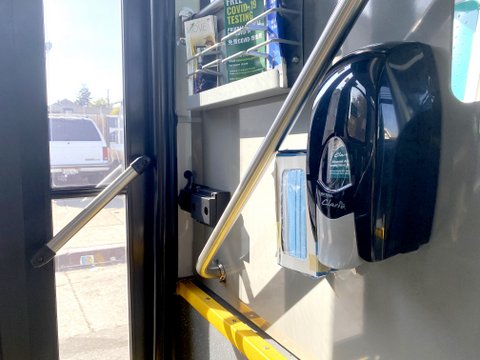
(149, 48)
(28, 326)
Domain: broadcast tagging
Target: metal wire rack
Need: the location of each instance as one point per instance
(255, 24)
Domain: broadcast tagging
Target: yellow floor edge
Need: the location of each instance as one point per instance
(245, 339)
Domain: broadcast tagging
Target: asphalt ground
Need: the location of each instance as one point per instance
(92, 306)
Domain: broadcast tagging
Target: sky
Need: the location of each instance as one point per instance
(85, 38)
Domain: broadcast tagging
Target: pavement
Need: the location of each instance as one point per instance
(91, 281)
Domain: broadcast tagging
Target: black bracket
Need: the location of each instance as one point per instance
(204, 203)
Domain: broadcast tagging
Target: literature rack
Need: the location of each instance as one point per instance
(271, 81)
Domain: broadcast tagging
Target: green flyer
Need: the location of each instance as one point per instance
(237, 14)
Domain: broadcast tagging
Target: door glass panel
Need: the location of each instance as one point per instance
(84, 83)
(85, 100)
(91, 282)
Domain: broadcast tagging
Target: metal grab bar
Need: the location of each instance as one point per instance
(48, 251)
(341, 21)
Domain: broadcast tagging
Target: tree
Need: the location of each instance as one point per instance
(84, 96)
(115, 111)
(100, 102)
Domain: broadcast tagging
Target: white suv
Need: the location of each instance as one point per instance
(78, 152)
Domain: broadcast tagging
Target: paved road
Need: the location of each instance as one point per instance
(92, 303)
(92, 313)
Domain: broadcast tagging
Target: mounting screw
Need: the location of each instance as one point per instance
(295, 60)
(223, 273)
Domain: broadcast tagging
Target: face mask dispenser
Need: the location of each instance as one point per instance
(295, 239)
(373, 155)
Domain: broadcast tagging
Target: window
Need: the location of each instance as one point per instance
(465, 79)
(73, 130)
(85, 98)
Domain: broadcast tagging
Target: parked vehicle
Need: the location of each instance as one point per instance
(78, 152)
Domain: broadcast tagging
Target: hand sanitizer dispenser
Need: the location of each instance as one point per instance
(373, 154)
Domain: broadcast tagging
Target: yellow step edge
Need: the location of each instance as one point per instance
(256, 319)
(245, 339)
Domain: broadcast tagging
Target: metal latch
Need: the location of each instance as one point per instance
(204, 203)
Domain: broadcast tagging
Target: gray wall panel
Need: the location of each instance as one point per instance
(418, 305)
